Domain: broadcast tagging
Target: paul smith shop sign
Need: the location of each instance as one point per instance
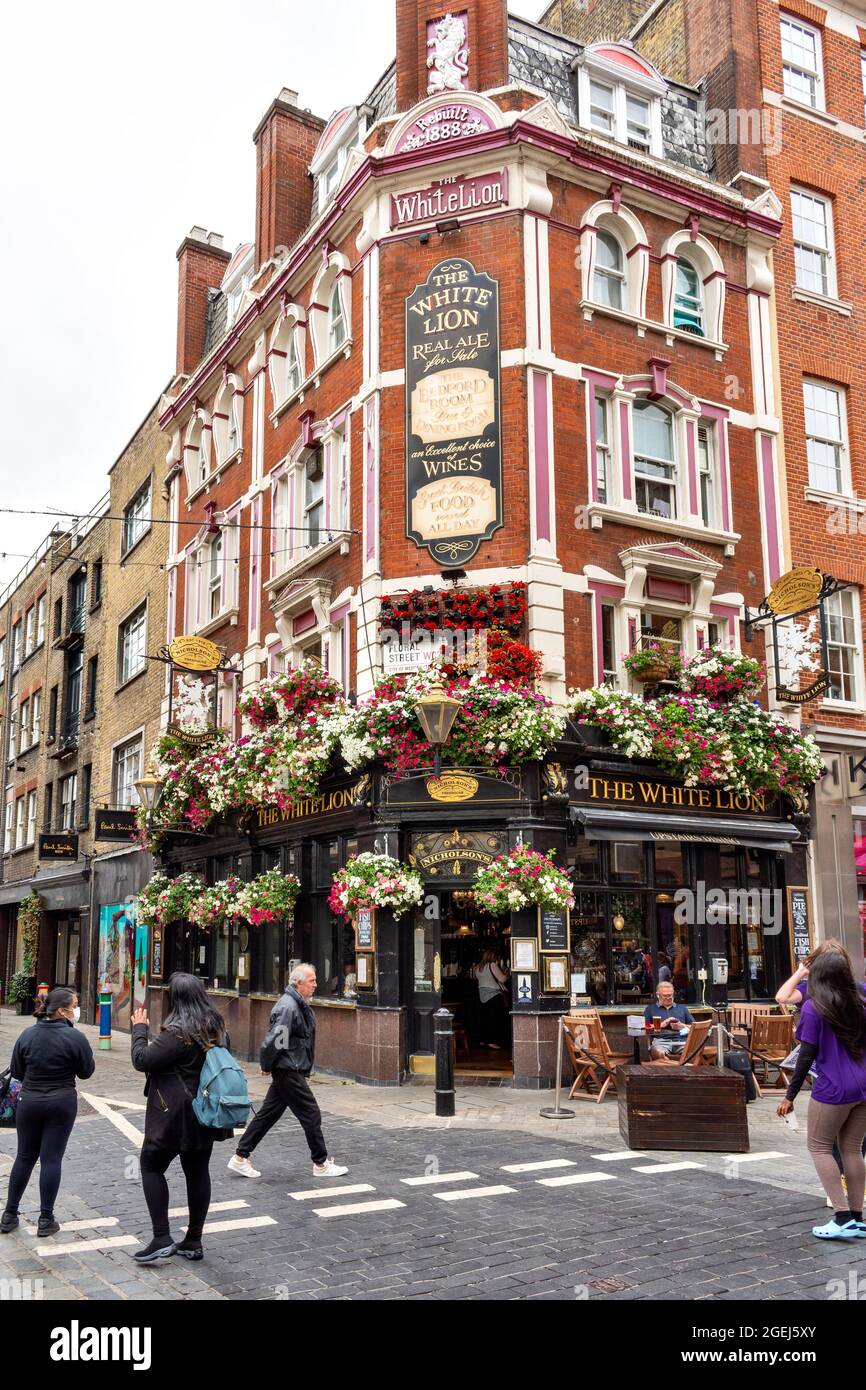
(649, 794)
(453, 412)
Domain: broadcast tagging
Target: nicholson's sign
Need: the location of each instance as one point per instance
(449, 198)
(453, 412)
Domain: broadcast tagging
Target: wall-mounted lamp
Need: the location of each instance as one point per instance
(450, 224)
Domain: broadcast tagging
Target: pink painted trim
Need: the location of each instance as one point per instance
(303, 623)
(625, 436)
(606, 380)
(541, 440)
(336, 615)
(768, 474)
(632, 634)
(691, 453)
(605, 589)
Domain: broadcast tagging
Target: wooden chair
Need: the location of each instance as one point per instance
(741, 1016)
(772, 1040)
(591, 1055)
(694, 1052)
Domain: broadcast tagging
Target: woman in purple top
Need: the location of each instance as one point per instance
(832, 1036)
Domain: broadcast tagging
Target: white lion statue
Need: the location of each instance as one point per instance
(449, 57)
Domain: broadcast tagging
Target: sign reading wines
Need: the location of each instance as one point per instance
(453, 412)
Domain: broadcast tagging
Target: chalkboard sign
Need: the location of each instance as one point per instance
(156, 954)
(365, 929)
(799, 923)
(553, 929)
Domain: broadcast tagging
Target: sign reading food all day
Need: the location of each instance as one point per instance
(453, 412)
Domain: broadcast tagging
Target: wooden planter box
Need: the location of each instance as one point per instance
(699, 1109)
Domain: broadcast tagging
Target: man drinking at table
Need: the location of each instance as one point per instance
(666, 1041)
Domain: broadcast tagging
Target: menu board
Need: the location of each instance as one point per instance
(365, 929)
(156, 954)
(553, 929)
(799, 923)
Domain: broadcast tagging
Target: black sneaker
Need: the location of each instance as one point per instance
(8, 1222)
(47, 1226)
(190, 1250)
(157, 1250)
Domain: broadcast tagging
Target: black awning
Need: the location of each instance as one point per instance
(600, 823)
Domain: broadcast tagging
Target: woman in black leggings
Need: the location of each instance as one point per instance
(173, 1064)
(46, 1060)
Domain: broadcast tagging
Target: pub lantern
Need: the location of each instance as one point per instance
(436, 712)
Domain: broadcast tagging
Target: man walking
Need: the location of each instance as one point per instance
(287, 1053)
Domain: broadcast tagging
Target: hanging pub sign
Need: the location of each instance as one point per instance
(796, 610)
(194, 667)
(453, 412)
(58, 847)
(114, 825)
(195, 654)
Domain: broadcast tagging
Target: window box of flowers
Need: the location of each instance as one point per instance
(522, 878)
(270, 897)
(165, 900)
(718, 674)
(375, 880)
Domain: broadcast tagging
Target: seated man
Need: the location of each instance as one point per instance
(667, 1042)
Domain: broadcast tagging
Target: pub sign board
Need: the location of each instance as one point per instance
(58, 847)
(453, 412)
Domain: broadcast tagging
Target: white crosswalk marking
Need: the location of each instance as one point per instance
(536, 1167)
(618, 1155)
(106, 1110)
(438, 1177)
(312, 1192)
(214, 1206)
(665, 1167)
(81, 1247)
(354, 1208)
(472, 1192)
(245, 1223)
(88, 1225)
(571, 1179)
(753, 1158)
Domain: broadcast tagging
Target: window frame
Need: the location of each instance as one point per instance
(609, 275)
(35, 718)
(698, 315)
(123, 674)
(639, 407)
(844, 468)
(133, 530)
(70, 805)
(828, 252)
(855, 648)
(120, 756)
(791, 21)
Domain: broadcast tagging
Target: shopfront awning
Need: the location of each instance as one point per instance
(600, 823)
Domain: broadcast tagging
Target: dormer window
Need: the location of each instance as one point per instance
(341, 136)
(619, 96)
(328, 181)
(688, 302)
(237, 280)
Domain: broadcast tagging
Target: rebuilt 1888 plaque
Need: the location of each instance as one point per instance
(453, 412)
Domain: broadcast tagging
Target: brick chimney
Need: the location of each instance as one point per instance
(723, 50)
(201, 260)
(485, 52)
(285, 141)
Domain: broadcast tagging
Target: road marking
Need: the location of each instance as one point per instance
(246, 1223)
(472, 1192)
(124, 1104)
(618, 1155)
(354, 1208)
(80, 1225)
(331, 1191)
(214, 1206)
(752, 1158)
(104, 1108)
(665, 1167)
(571, 1179)
(437, 1177)
(536, 1167)
(81, 1247)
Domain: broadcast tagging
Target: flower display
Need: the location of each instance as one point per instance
(650, 657)
(270, 897)
(519, 879)
(500, 606)
(301, 696)
(375, 880)
(720, 674)
(165, 900)
(217, 904)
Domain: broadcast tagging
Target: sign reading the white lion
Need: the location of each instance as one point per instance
(453, 410)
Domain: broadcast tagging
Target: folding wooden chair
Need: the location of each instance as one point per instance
(772, 1040)
(693, 1053)
(591, 1056)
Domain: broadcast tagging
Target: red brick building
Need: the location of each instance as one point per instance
(785, 85)
(633, 395)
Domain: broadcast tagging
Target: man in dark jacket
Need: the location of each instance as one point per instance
(287, 1053)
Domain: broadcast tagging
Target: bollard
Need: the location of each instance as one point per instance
(443, 1051)
(105, 1020)
(41, 992)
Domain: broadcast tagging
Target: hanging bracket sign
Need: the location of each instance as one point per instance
(794, 607)
(453, 412)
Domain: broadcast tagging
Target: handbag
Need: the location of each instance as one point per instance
(10, 1091)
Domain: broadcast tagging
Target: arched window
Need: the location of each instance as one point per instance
(608, 281)
(214, 560)
(688, 299)
(293, 367)
(655, 470)
(336, 320)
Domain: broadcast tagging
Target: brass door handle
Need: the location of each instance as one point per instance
(437, 973)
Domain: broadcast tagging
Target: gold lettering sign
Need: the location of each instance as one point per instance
(453, 404)
(795, 590)
(664, 795)
(452, 786)
(341, 799)
(195, 653)
(455, 853)
(453, 507)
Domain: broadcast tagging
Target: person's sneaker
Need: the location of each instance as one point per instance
(189, 1249)
(156, 1250)
(852, 1230)
(8, 1222)
(328, 1169)
(236, 1164)
(47, 1226)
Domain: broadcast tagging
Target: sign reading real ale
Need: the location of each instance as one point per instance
(453, 412)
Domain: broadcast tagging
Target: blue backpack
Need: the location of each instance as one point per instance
(223, 1100)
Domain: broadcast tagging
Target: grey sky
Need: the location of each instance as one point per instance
(124, 125)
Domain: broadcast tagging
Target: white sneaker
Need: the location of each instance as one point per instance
(328, 1169)
(236, 1164)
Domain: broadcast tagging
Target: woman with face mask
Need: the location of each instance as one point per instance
(46, 1060)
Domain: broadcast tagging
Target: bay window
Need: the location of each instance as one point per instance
(654, 460)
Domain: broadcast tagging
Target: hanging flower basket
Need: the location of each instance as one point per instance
(719, 674)
(649, 663)
(375, 880)
(520, 879)
(217, 904)
(165, 900)
(270, 897)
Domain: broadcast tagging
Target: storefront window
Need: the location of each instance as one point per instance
(265, 946)
(589, 947)
(586, 861)
(224, 968)
(632, 951)
(333, 952)
(627, 861)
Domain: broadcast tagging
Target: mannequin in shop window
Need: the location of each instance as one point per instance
(494, 995)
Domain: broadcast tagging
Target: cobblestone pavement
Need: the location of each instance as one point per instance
(496, 1203)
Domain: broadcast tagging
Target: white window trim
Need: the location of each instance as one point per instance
(197, 447)
(145, 492)
(841, 391)
(120, 679)
(337, 269)
(710, 268)
(228, 409)
(830, 250)
(632, 238)
(858, 704)
(594, 68)
(291, 328)
(820, 100)
(198, 590)
(115, 749)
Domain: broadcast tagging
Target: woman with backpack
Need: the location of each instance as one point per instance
(46, 1059)
(173, 1063)
(832, 1036)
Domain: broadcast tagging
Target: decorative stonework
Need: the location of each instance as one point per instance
(447, 54)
